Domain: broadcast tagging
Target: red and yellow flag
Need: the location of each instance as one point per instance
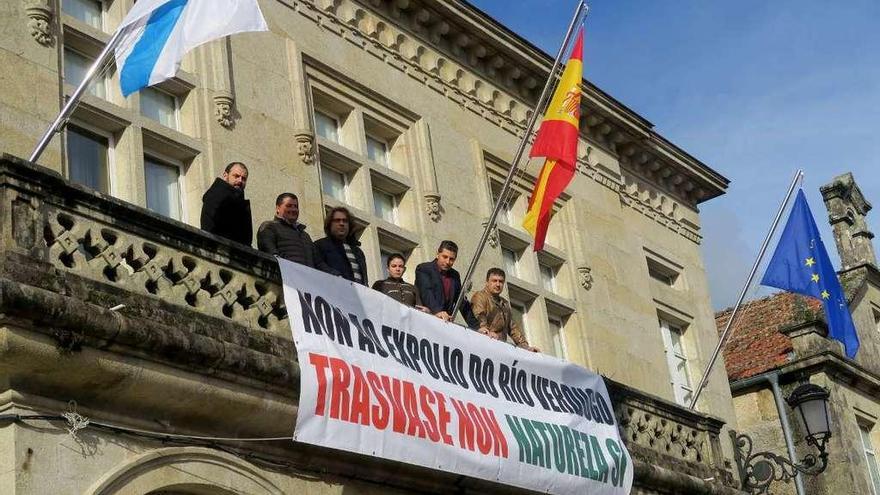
(557, 140)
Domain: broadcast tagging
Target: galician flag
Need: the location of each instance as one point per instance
(557, 140)
(156, 34)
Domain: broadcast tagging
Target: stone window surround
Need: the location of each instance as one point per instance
(527, 282)
(359, 115)
(869, 449)
(665, 270)
(77, 121)
(182, 167)
(667, 322)
(120, 119)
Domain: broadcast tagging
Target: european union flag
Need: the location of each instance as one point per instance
(801, 264)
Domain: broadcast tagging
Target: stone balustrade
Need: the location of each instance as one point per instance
(68, 255)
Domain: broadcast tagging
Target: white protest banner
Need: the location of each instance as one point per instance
(381, 379)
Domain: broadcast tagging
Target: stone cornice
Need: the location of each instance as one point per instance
(516, 70)
(483, 69)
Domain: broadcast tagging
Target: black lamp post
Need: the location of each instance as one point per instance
(759, 470)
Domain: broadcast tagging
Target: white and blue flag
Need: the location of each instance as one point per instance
(158, 33)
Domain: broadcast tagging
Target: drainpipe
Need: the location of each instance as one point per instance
(772, 378)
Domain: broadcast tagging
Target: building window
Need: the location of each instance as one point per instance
(327, 126)
(876, 314)
(159, 106)
(333, 183)
(163, 188)
(377, 151)
(677, 360)
(548, 276)
(88, 158)
(556, 337)
(871, 458)
(511, 261)
(75, 67)
(90, 12)
(519, 313)
(661, 273)
(385, 206)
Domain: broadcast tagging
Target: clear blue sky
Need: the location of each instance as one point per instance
(754, 89)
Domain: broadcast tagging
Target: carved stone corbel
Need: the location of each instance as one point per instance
(305, 145)
(432, 206)
(493, 234)
(585, 277)
(39, 14)
(223, 103)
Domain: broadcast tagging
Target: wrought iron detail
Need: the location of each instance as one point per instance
(759, 470)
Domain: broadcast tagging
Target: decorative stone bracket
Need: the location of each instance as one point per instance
(493, 234)
(433, 207)
(305, 145)
(223, 105)
(39, 14)
(585, 277)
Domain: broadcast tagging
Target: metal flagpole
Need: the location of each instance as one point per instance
(705, 379)
(73, 101)
(582, 9)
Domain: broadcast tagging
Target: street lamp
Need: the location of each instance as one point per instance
(759, 470)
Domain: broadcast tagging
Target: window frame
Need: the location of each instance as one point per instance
(683, 392)
(386, 150)
(103, 78)
(560, 334)
(166, 160)
(111, 148)
(103, 16)
(870, 453)
(332, 116)
(395, 203)
(345, 183)
(176, 110)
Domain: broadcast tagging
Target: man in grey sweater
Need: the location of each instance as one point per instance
(285, 237)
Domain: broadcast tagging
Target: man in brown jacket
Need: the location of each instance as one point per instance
(493, 312)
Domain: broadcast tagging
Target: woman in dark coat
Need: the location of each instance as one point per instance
(395, 287)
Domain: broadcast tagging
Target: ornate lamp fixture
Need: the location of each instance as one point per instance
(759, 470)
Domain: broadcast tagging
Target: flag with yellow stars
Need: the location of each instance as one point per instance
(801, 264)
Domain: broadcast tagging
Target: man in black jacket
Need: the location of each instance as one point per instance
(439, 285)
(340, 249)
(284, 236)
(225, 212)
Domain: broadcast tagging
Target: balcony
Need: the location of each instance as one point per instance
(143, 320)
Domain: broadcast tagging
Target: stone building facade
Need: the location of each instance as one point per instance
(384, 106)
(783, 338)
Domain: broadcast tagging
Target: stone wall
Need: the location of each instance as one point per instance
(202, 326)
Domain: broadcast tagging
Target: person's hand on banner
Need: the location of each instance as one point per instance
(530, 348)
(443, 315)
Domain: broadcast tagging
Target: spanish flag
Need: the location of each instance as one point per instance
(557, 140)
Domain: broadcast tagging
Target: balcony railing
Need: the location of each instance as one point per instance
(70, 256)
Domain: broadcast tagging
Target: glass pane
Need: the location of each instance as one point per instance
(163, 188)
(866, 438)
(159, 106)
(377, 151)
(88, 11)
(684, 396)
(681, 372)
(383, 206)
(510, 259)
(556, 338)
(675, 337)
(75, 67)
(327, 127)
(87, 159)
(518, 314)
(333, 183)
(548, 277)
(875, 472)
